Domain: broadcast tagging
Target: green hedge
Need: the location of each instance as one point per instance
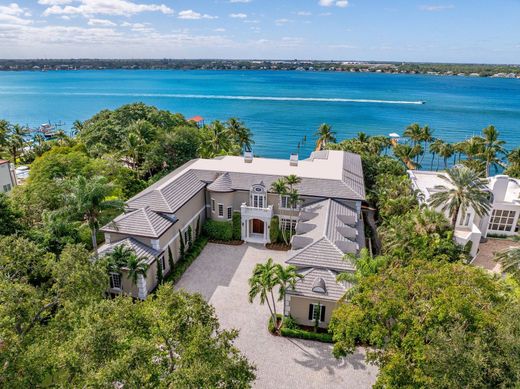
(237, 226)
(218, 230)
(274, 230)
(302, 334)
(298, 332)
(185, 262)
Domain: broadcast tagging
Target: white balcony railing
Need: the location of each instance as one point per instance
(256, 213)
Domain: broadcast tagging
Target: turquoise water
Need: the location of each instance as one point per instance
(280, 107)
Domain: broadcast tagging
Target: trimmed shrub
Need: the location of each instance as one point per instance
(289, 322)
(185, 262)
(170, 259)
(302, 334)
(237, 226)
(197, 229)
(182, 247)
(159, 272)
(218, 230)
(274, 230)
(190, 237)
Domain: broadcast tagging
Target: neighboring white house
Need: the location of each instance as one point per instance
(501, 220)
(7, 177)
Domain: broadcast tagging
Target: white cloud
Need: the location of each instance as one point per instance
(330, 3)
(101, 22)
(303, 13)
(281, 22)
(238, 16)
(106, 7)
(12, 14)
(220, 29)
(54, 2)
(192, 15)
(436, 8)
(240, 1)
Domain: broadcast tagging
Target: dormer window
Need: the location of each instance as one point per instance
(318, 286)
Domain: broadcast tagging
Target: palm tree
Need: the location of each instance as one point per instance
(414, 132)
(286, 277)
(509, 259)
(446, 152)
(242, 135)
(261, 284)
(473, 147)
(464, 189)
(88, 198)
(216, 140)
(365, 264)
(426, 137)
(435, 149)
(15, 140)
(325, 135)
(407, 154)
(492, 148)
(119, 257)
(136, 267)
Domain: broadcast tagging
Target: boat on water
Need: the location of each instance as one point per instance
(48, 130)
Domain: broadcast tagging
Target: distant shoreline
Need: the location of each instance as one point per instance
(434, 69)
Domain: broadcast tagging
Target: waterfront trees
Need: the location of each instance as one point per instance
(464, 189)
(492, 148)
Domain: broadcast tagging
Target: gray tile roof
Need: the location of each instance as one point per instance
(311, 277)
(169, 196)
(221, 184)
(317, 187)
(141, 250)
(141, 222)
(321, 254)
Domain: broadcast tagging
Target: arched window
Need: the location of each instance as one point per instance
(258, 196)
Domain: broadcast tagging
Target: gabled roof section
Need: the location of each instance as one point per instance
(325, 278)
(170, 195)
(141, 222)
(321, 254)
(140, 249)
(222, 184)
(353, 174)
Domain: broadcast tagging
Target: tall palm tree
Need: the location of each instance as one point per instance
(88, 199)
(473, 147)
(136, 267)
(286, 278)
(435, 149)
(509, 259)
(325, 135)
(407, 154)
(119, 257)
(414, 132)
(216, 140)
(464, 188)
(261, 283)
(365, 264)
(426, 138)
(492, 148)
(242, 135)
(514, 156)
(446, 152)
(15, 140)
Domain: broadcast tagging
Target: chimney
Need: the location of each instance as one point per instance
(293, 160)
(500, 187)
(248, 156)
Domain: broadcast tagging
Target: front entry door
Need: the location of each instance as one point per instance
(258, 226)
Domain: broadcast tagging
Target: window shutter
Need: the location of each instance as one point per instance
(311, 311)
(322, 318)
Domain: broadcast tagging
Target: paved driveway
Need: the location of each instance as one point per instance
(220, 274)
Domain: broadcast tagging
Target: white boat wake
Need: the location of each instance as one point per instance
(225, 97)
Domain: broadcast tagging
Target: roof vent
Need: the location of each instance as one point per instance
(293, 160)
(318, 286)
(248, 156)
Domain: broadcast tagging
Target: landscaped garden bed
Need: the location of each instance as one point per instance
(228, 242)
(290, 329)
(278, 246)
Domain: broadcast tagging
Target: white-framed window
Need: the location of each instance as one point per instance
(317, 310)
(258, 200)
(230, 213)
(115, 280)
(221, 210)
(464, 219)
(285, 202)
(212, 205)
(287, 223)
(501, 220)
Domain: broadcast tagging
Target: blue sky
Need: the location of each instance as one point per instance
(486, 31)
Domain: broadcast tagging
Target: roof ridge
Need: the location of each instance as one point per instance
(147, 217)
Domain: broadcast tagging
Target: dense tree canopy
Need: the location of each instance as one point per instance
(433, 324)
